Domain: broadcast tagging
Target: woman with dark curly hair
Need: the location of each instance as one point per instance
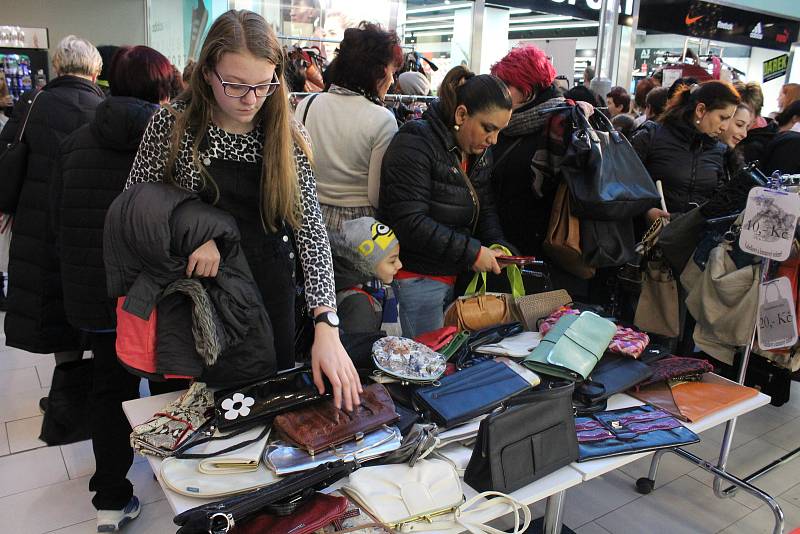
(348, 124)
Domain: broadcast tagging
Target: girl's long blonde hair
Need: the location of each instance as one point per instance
(245, 31)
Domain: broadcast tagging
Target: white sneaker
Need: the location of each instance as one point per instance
(113, 520)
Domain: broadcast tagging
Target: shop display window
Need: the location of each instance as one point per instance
(438, 30)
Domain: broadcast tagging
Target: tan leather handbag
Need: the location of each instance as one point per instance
(562, 243)
(478, 309)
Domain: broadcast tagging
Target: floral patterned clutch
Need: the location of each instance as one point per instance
(168, 429)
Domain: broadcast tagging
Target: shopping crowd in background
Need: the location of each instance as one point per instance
(358, 215)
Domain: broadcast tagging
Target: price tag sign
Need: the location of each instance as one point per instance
(769, 222)
(777, 322)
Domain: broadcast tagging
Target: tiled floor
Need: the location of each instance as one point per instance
(45, 489)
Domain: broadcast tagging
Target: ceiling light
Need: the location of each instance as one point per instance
(440, 7)
(431, 27)
(540, 18)
(519, 11)
(439, 18)
(566, 25)
(429, 34)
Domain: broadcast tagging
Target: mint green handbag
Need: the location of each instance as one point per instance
(572, 348)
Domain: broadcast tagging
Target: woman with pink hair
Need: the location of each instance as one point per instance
(529, 152)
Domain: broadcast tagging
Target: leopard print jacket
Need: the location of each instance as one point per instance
(311, 237)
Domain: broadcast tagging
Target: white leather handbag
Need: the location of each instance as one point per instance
(220, 475)
(428, 497)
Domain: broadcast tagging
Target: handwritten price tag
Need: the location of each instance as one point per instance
(769, 222)
(777, 322)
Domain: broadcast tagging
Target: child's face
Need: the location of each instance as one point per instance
(389, 266)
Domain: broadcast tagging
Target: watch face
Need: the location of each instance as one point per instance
(333, 319)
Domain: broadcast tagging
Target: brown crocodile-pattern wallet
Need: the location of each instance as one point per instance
(322, 425)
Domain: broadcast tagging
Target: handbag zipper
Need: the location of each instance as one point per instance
(465, 386)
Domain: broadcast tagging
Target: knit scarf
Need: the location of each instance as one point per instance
(532, 120)
(545, 124)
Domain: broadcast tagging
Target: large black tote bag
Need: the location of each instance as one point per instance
(606, 179)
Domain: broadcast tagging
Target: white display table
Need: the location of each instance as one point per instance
(552, 487)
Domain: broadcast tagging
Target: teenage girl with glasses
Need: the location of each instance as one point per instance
(231, 137)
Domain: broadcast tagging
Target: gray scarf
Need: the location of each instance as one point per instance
(209, 336)
(532, 120)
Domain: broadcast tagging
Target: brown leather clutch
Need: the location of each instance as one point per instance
(692, 401)
(322, 425)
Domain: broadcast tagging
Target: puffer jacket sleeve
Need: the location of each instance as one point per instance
(406, 184)
(641, 143)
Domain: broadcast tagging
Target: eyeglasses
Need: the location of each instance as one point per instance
(240, 90)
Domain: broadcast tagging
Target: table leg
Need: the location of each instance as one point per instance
(554, 513)
(777, 512)
(646, 484)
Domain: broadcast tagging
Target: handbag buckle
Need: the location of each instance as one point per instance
(216, 527)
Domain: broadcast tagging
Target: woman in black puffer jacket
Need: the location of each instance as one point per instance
(435, 194)
(92, 170)
(35, 320)
(683, 151)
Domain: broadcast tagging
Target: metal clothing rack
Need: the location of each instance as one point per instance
(646, 484)
(403, 99)
(321, 40)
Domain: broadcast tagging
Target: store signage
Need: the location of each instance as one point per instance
(758, 32)
(777, 319)
(582, 9)
(627, 5)
(776, 67)
(769, 222)
(708, 20)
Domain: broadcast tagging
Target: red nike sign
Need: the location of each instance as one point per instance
(692, 20)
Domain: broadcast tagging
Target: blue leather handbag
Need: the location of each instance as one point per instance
(475, 391)
(628, 431)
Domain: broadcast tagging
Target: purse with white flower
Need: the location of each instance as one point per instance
(259, 403)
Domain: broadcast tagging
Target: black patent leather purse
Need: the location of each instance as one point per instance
(261, 402)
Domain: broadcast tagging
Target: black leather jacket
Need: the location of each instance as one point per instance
(441, 214)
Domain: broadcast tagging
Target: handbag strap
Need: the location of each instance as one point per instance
(308, 106)
(182, 454)
(512, 271)
(505, 154)
(467, 516)
(27, 116)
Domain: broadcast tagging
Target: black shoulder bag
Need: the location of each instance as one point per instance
(531, 435)
(14, 161)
